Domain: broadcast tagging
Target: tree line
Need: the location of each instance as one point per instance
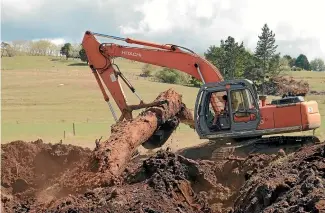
(42, 48)
(33, 48)
(232, 58)
(236, 61)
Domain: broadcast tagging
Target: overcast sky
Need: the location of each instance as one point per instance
(299, 25)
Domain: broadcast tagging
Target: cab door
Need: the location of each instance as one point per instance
(245, 115)
(199, 113)
(204, 110)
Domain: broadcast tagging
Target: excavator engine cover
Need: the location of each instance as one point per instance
(162, 134)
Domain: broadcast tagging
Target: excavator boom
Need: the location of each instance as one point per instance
(100, 57)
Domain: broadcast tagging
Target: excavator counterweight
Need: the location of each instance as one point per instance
(225, 110)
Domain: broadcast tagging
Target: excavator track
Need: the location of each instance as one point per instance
(268, 145)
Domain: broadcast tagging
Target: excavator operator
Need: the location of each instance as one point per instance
(224, 111)
(225, 98)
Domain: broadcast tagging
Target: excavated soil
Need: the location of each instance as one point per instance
(30, 170)
(284, 85)
(36, 177)
(291, 184)
(313, 92)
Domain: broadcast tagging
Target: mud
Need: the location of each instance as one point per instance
(163, 182)
(186, 116)
(291, 184)
(30, 169)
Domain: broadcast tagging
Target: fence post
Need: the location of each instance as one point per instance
(74, 130)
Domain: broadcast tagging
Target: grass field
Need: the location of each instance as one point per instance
(42, 97)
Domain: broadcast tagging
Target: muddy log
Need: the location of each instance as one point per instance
(186, 116)
(112, 155)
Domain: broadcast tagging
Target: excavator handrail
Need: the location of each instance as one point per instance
(138, 42)
(108, 36)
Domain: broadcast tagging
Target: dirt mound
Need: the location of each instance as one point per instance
(313, 92)
(292, 184)
(30, 168)
(164, 182)
(185, 185)
(282, 85)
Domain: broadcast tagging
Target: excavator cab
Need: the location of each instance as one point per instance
(234, 111)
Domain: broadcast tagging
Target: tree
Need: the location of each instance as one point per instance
(284, 64)
(234, 58)
(20, 47)
(66, 50)
(44, 46)
(265, 54)
(53, 49)
(288, 57)
(302, 62)
(292, 62)
(216, 56)
(317, 64)
(230, 58)
(75, 51)
(83, 55)
(7, 50)
(274, 66)
(254, 74)
(265, 51)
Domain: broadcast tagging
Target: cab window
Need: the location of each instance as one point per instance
(241, 101)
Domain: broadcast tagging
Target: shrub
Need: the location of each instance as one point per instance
(147, 70)
(171, 76)
(296, 68)
(195, 82)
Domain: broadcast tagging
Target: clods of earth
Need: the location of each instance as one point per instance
(34, 179)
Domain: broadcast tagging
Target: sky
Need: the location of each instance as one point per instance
(196, 24)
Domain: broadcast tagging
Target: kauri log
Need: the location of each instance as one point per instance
(112, 155)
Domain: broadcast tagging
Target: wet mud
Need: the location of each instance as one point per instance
(34, 179)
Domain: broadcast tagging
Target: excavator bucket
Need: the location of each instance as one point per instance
(161, 135)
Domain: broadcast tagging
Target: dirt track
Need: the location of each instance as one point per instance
(33, 178)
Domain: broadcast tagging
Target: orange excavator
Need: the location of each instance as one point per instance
(225, 110)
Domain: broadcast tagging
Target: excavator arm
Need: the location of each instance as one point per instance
(100, 57)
